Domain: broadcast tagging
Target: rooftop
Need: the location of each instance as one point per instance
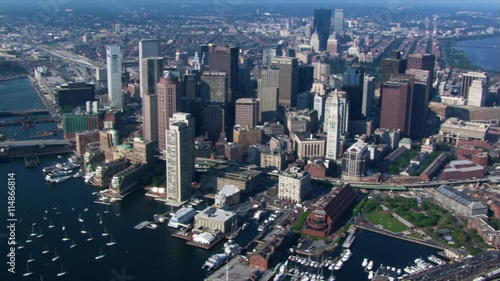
(214, 214)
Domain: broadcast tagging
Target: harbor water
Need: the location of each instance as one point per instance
(145, 254)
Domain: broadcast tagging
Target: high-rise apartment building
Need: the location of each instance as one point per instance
(179, 158)
(368, 96)
(147, 48)
(247, 112)
(396, 109)
(338, 21)
(169, 102)
(336, 122)
(114, 65)
(268, 94)
(288, 80)
(322, 23)
(225, 59)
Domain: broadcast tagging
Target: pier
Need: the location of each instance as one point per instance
(6, 113)
(406, 238)
(31, 148)
(16, 122)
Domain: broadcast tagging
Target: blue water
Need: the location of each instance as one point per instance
(18, 94)
(487, 58)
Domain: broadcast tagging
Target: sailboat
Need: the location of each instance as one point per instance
(50, 224)
(45, 251)
(46, 210)
(33, 233)
(107, 210)
(105, 233)
(62, 272)
(101, 255)
(90, 237)
(73, 245)
(63, 227)
(80, 219)
(40, 235)
(72, 208)
(21, 246)
(83, 229)
(28, 272)
(65, 238)
(56, 257)
(100, 219)
(31, 259)
(29, 240)
(111, 242)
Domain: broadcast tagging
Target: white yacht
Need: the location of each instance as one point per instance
(365, 262)
(370, 275)
(370, 265)
(338, 265)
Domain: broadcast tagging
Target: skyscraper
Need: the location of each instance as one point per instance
(332, 46)
(213, 122)
(393, 65)
(467, 79)
(288, 80)
(477, 93)
(423, 62)
(338, 21)
(336, 122)
(147, 48)
(214, 87)
(322, 23)
(271, 52)
(314, 42)
(179, 157)
(169, 102)
(396, 109)
(114, 64)
(225, 59)
(421, 89)
(247, 112)
(352, 83)
(151, 72)
(150, 117)
(268, 94)
(368, 96)
(305, 77)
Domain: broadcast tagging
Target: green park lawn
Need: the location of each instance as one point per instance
(385, 219)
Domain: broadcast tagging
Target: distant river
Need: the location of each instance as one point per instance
(482, 52)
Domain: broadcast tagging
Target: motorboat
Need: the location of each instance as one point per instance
(370, 275)
(370, 265)
(365, 262)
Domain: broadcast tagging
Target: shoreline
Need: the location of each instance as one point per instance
(2, 79)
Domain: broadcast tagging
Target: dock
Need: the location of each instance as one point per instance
(31, 162)
(349, 240)
(102, 202)
(142, 225)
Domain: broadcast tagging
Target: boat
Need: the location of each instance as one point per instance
(90, 237)
(59, 179)
(62, 273)
(338, 265)
(40, 234)
(244, 226)
(152, 226)
(280, 276)
(83, 231)
(233, 249)
(73, 244)
(100, 219)
(29, 241)
(50, 224)
(258, 216)
(21, 246)
(46, 211)
(370, 265)
(86, 209)
(214, 261)
(101, 255)
(63, 227)
(105, 233)
(182, 217)
(398, 272)
(28, 272)
(370, 275)
(45, 251)
(111, 242)
(65, 238)
(50, 169)
(346, 255)
(56, 257)
(33, 233)
(365, 262)
(80, 219)
(107, 210)
(332, 278)
(88, 177)
(31, 259)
